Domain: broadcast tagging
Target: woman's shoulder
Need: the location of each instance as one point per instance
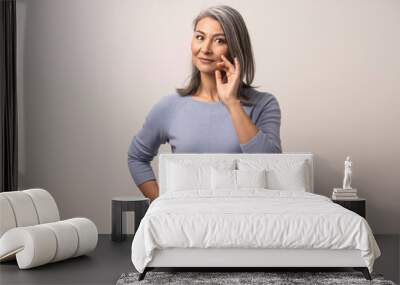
(167, 104)
(168, 101)
(260, 97)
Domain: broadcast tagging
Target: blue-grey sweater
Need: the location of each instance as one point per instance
(192, 126)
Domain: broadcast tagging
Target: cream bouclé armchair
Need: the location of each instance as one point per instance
(31, 231)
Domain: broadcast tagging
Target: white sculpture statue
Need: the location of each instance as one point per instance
(347, 174)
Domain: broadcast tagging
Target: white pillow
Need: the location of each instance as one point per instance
(281, 174)
(185, 174)
(187, 177)
(223, 179)
(293, 178)
(226, 179)
(251, 178)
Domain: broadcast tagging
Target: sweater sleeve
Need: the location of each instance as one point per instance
(268, 122)
(145, 144)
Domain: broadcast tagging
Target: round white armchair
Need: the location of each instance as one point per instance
(31, 231)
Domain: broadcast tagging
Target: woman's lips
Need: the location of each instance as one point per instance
(206, 61)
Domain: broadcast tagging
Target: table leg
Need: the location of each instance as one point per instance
(140, 211)
(116, 231)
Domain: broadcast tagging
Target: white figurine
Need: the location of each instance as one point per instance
(347, 174)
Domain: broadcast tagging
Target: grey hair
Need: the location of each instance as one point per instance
(239, 46)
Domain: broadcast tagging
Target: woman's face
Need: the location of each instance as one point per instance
(208, 42)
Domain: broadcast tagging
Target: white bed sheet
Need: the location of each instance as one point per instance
(250, 218)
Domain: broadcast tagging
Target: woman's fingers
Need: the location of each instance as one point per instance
(221, 65)
(237, 65)
(230, 66)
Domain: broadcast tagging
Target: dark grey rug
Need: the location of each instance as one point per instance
(275, 278)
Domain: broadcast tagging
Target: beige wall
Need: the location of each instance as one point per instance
(89, 72)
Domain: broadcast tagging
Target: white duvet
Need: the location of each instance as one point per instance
(251, 218)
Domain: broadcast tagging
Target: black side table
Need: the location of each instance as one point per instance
(127, 203)
(356, 205)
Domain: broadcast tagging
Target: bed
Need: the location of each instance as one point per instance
(247, 210)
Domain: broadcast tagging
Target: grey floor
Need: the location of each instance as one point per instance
(102, 266)
(110, 259)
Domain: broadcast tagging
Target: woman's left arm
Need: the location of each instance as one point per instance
(264, 135)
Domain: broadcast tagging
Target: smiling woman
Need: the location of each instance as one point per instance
(218, 111)
(220, 37)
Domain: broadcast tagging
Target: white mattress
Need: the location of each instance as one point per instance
(252, 218)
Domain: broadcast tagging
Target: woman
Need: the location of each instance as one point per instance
(217, 112)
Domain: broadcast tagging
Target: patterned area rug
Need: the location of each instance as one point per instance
(275, 278)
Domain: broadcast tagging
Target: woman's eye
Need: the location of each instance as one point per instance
(199, 37)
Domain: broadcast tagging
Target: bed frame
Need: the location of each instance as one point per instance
(241, 258)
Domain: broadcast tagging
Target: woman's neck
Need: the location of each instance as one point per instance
(208, 88)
